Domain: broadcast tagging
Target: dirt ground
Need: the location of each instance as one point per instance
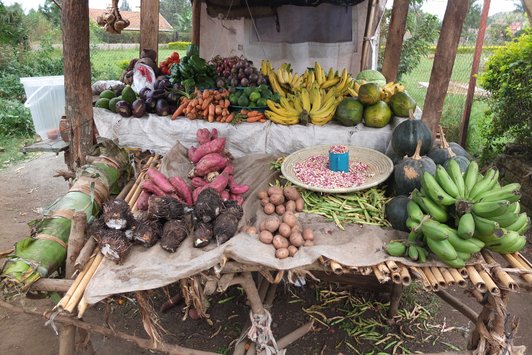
(29, 186)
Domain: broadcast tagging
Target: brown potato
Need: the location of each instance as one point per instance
(297, 239)
(266, 237)
(243, 229)
(308, 243)
(289, 218)
(262, 226)
(300, 205)
(296, 228)
(272, 190)
(269, 208)
(277, 199)
(280, 210)
(252, 230)
(262, 195)
(291, 193)
(282, 253)
(308, 234)
(264, 201)
(292, 250)
(285, 230)
(290, 206)
(272, 223)
(280, 242)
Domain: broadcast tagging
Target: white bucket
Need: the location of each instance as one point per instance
(46, 101)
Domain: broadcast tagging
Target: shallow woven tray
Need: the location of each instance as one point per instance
(378, 164)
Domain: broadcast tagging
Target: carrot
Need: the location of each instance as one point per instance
(227, 103)
(218, 110)
(225, 112)
(218, 97)
(194, 102)
(229, 118)
(244, 111)
(211, 109)
(205, 112)
(179, 110)
(262, 120)
(253, 118)
(211, 118)
(206, 103)
(205, 94)
(254, 113)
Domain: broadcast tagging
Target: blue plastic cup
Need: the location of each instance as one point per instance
(339, 162)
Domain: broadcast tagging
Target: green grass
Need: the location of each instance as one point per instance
(107, 65)
(10, 150)
(454, 103)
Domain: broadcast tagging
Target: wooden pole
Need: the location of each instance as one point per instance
(366, 44)
(196, 21)
(394, 40)
(458, 305)
(52, 285)
(395, 298)
(464, 125)
(75, 241)
(442, 68)
(149, 25)
(77, 72)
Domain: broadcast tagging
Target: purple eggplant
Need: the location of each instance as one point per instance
(138, 108)
(123, 108)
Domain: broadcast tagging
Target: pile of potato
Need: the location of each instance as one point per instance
(284, 231)
(281, 199)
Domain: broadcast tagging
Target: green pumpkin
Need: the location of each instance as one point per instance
(396, 214)
(406, 135)
(408, 172)
(445, 151)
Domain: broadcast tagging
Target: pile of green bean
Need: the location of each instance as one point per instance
(363, 207)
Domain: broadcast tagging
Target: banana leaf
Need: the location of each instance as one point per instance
(35, 257)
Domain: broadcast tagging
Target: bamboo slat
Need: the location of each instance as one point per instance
(421, 275)
(527, 264)
(475, 278)
(439, 277)
(449, 279)
(517, 264)
(405, 276)
(458, 277)
(506, 280)
(431, 278)
(78, 293)
(379, 275)
(392, 266)
(336, 267)
(490, 285)
(64, 301)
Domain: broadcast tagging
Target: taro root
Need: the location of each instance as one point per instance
(143, 93)
(116, 214)
(165, 207)
(203, 234)
(123, 108)
(114, 245)
(96, 229)
(208, 205)
(138, 108)
(150, 104)
(174, 232)
(146, 231)
(161, 108)
(226, 224)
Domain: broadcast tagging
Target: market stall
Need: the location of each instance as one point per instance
(212, 213)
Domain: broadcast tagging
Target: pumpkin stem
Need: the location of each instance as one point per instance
(443, 141)
(416, 155)
(411, 114)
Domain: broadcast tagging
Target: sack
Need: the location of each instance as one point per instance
(143, 77)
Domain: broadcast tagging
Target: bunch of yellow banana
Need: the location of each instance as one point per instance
(341, 82)
(390, 89)
(287, 112)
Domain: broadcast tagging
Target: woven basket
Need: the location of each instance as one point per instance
(380, 167)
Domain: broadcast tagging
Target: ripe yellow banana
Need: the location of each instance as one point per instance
(305, 100)
(327, 84)
(285, 120)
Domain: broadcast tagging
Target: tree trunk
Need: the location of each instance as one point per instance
(149, 25)
(443, 62)
(78, 94)
(196, 21)
(394, 40)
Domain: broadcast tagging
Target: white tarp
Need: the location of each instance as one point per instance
(159, 134)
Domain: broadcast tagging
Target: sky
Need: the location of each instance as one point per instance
(436, 7)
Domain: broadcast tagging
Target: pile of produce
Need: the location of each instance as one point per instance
(284, 232)
(236, 71)
(162, 100)
(165, 65)
(193, 72)
(453, 210)
(252, 97)
(112, 21)
(211, 105)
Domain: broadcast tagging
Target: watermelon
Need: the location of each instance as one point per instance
(371, 76)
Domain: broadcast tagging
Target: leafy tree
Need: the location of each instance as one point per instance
(178, 13)
(124, 6)
(52, 12)
(12, 29)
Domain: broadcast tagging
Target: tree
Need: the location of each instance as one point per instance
(178, 13)
(12, 29)
(124, 6)
(471, 22)
(52, 12)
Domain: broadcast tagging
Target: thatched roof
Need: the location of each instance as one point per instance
(260, 8)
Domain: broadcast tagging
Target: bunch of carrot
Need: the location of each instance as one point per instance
(211, 105)
(253, 116)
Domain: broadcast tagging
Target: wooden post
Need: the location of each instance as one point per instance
(196, 21)
(464, 125)
(75, 241)
(395, 298)
(149, 25)
(77, 71)
(442, 68)
(394, 41)
(366, 44)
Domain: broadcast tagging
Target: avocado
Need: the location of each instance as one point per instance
(107, 94)
(254, 96)
(233, 99)
(112, 103)
(261, 102)
(247, 90)
(128, 94)
(102, 103)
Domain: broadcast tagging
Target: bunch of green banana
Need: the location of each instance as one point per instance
(484, 209)
(410, 248)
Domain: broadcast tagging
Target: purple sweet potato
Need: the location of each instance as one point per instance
(238, 198)
(215, 146)
(150, 186)
(203, 136)
(197, 191)
(142, 201)
(236, 188)
(160, 180)
(181, 189)
(198, 182)
(229, 169)
(214, 133)
(225, 195)
(209, 163)
(220, 182)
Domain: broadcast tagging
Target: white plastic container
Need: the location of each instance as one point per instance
(46, 101)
